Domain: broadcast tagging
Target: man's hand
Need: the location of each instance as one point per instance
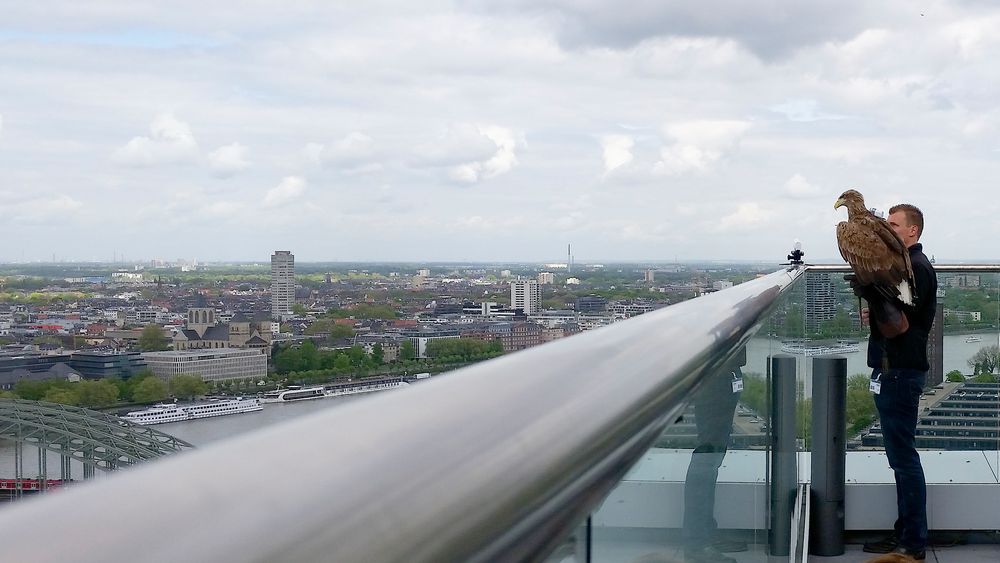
(865, 313)
(865, 292)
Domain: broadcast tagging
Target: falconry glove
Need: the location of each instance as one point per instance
(886, 315)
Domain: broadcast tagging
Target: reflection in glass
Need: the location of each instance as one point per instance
(714, 408)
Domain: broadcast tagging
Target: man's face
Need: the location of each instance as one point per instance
(903, 228)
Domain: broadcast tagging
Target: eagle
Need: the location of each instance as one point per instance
(875, 252)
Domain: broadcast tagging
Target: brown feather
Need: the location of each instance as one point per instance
(875, 252)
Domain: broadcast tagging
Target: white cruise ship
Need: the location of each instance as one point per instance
(294, 393)
(805, 348)
(171, 412)
(364, 386)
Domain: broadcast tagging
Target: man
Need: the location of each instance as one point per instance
(714, 408)
(898, 376)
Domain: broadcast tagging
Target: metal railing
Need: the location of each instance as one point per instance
(493, 462)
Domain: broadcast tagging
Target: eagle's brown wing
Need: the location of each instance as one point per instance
(864, 250)
(901, 266)
(875, 253)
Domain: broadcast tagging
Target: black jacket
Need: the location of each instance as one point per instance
(909, 350)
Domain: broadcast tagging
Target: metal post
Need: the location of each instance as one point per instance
(783, 472)
(18, 468)
(65, 469)
(829, 456)
(42, 458)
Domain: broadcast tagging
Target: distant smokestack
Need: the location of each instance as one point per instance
(569, 258)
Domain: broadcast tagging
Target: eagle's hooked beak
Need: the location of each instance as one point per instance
(839, 203)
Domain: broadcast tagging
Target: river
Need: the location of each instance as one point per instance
(956, 355)
(200, 433)
(204, 432)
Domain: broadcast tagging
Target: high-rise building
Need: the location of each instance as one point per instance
(525, 295)
(546, 278)
(282, 284)
(821, 300)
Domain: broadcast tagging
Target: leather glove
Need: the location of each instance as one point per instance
(866, 292)
(889, 319)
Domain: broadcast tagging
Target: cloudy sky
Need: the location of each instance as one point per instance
(487, 130)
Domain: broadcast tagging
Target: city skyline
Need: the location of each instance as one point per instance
(457, 130)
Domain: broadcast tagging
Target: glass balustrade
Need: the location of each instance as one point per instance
(704, 485)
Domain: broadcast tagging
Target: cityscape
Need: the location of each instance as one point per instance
(110, 321)
(253, 328)
(537, 280)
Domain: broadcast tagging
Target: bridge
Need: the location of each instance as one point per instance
(548, 454)
(96, 440)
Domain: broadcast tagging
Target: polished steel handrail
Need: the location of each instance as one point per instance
(939, 268)
(497, 461)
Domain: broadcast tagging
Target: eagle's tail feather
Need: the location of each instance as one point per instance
(905, 292)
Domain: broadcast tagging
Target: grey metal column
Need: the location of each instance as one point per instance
(829, 456)
(783, 474)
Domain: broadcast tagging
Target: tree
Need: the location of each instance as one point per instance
(754, 393)
(153, 339)
(187, 386)
(986, 359)
(47, 339)
(793, 325)
(286, 359)
(149, 390)
(406, 351)
(299, 309)
(31, 390)
(339, 332)
(860, 404)
(342, 362)
(985, 378)
(61, 396)
(378, 354)
(99, 393)
(308, 357)
(955, 376)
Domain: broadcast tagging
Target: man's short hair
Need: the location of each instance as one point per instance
(913, 215)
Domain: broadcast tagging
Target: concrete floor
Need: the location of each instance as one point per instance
(637, 546)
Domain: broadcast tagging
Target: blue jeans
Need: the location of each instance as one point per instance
(714, 407)
(897, 405)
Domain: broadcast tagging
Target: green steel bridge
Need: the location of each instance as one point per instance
(96, 440)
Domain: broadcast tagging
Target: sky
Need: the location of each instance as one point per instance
(474, 130)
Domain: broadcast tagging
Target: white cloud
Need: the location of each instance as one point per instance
(798, 187)
(170, 140)
(747, 217)
(697, 145)
(228, 160)
(427, 94)
(290, 189)
(804, 110)
(222, 209)
(471, 152)
(617, 151)
(34, 209)
(459, 143)
(355, 151)
(643, 233)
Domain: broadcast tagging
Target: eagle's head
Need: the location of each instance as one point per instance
(852, 199)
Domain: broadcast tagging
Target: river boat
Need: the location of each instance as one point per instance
(363, 386)
(293, 394)
(805, 348)
(971, 339)
(172, 412)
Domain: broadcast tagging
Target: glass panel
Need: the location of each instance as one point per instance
(703, 486)
(819, 317)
